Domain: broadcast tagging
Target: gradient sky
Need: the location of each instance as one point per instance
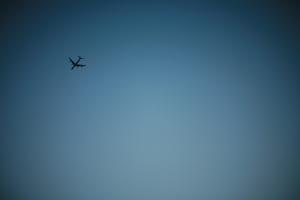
(179, 100)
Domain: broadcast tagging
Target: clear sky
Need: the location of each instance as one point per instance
(179, 100)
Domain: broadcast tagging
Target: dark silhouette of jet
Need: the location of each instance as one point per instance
(76, 64)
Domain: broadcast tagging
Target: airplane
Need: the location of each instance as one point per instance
(76, 64)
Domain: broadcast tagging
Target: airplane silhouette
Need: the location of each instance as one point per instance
(76, 64)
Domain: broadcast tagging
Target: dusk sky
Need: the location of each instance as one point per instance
(180, 100)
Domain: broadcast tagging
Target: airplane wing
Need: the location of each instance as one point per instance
(80, 65)
(71, 61)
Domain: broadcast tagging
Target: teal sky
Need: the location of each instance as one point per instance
(179, 100)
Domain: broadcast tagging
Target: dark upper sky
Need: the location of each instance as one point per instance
(179, 100)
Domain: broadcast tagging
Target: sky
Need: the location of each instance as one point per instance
(179, 100)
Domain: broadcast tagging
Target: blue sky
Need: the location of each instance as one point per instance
(179, 100)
